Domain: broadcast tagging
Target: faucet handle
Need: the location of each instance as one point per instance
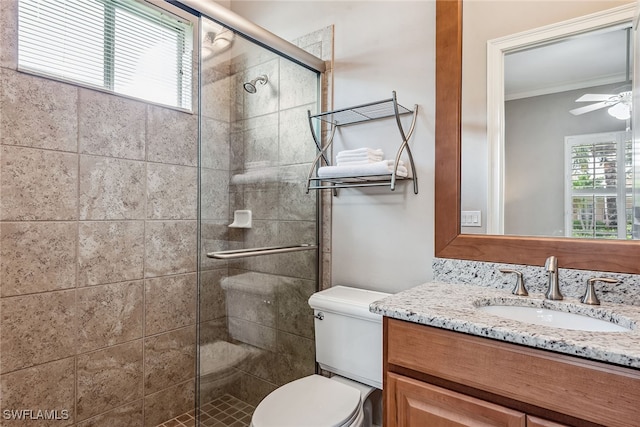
(519, 288)
(590, 296)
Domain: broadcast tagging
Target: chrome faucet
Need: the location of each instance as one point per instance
(553, 287)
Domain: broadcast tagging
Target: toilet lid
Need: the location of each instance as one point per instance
(313, 401)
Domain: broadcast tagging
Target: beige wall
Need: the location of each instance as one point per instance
(97, 251)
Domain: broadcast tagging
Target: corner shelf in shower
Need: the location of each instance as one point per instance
(359, 114)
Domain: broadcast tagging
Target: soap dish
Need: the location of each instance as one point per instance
(241, 219)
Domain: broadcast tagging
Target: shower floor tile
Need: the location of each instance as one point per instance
(225, 411)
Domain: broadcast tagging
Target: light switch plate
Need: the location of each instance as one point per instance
(471, 219)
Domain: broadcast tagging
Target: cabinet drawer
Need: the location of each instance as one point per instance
(539, 422)
(420, 404)
(568, 385)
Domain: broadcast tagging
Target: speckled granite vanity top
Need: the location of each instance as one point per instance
(455, 307)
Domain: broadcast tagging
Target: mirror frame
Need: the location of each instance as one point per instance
(583, 254)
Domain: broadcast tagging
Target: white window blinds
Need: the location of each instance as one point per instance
(123, 46)
(598, 192)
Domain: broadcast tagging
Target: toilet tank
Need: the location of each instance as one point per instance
(348, 335)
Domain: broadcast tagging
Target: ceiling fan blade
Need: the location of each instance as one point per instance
(594, 97)
(592, 107)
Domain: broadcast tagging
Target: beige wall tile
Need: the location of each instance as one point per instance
(212, 297)
(256, 307)
(213, 330)
(169, 359)
(294, 314)
(296, 357)
(294, 202)
(216, 96)
(170, 247)
(266, 99)
(44, 387)
(169, 403)
(9, 34)
(37, 257)
(172, 137)
(128, 415)
(37, 112)
(170, 303)
(217, 236)
(110, 125)
(252, 333)
(214, 194)
(215, 144)
(108, 378)
(110, 251)
(236, 146)
(109, 314)
(172, 192)
(260, 139)
(296, 143)
(262, 201)
(262, 364)
(298, 86)
(301, 264)
(38, 184)
(252, 389)
(36, 329)
(111, 188)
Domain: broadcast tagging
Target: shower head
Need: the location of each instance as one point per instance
(251, 86)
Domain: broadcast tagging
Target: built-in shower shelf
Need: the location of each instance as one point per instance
(362, 113)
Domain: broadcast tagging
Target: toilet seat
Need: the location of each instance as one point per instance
(313, 401)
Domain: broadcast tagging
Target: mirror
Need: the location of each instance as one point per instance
(587, 254)
(533, 79)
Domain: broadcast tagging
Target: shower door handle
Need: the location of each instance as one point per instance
(268, 250)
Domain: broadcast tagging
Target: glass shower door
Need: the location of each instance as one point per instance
(255, 327)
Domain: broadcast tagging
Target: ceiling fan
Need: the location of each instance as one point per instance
(619, 104)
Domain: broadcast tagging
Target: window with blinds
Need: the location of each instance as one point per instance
(123, 46)
(598, 197)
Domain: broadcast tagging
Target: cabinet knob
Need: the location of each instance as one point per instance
(590, 296)
(519, 289)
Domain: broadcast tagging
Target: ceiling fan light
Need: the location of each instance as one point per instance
(620, 111)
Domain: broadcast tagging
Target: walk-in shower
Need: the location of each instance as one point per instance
(255, 328)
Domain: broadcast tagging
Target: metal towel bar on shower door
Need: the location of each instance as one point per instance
(268, 250)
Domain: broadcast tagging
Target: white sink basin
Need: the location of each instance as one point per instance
(553, 318)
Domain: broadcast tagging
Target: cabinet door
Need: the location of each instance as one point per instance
(418, 404)
(539, 422)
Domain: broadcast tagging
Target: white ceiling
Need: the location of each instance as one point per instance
(582, 61)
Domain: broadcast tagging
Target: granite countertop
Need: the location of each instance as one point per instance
(454, 307)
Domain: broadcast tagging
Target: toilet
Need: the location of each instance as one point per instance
(349, 345)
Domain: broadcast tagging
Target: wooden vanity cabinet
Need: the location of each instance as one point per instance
(539, 422)
(439, 378)
(421, 404)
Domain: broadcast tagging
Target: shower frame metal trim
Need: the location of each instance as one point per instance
(257, 34)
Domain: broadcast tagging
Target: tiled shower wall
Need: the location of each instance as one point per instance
(98, 204)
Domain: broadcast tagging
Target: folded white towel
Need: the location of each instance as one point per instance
(362, 156)
(363, 150)
(378, 168)
(365, 162)
(357, 160)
